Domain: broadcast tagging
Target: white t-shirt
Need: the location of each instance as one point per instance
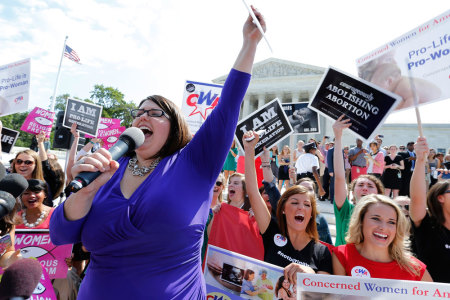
(306, 162)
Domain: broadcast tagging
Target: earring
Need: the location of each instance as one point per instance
(284, 213)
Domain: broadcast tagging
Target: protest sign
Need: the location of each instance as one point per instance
(225, 274)
(36, 243)
(366, 105)
(318, 286)
(9, 138)
(303, 120)
(39, 120)
(14, 87)
(110, 136)
(424, 52)
(272, 119)
(44, 289)
(105, 124)
(199, 99)
(86, 115)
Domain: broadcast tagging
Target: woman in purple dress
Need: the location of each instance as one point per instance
(144, 229)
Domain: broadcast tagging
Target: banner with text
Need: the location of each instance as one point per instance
(271, 118)
(424, 51)
(366, 105)
(318, 287)
(105, 124)
(9, 138)
(199, 99)
(110, 136)
(14, 87)
(302, 119)
(229, 275)
(86, 115)
(36, 243)
(44, 289)
(39, 120)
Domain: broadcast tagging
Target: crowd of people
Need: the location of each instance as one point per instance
(145, 222)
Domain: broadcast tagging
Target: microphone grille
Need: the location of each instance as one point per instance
(14, 183)
(20, 279)
(134, 137)
(2, 171)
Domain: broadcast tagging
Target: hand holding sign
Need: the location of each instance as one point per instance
(339, 125)
(257, 19)
(249, 140)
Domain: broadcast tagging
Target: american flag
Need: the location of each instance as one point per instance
(71, 54)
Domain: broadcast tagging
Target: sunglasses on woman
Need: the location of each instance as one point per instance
(26, 162)
(219, 183)
(406, 206)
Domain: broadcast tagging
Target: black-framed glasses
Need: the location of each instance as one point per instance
(219, 183)
(26, 162)
(447, 192)
(153, 112)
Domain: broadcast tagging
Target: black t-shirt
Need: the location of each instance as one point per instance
(433, 248)
(279, 251)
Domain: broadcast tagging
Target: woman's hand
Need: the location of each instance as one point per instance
(216, 208)
(421, 148)
(250, 30)
(250, 145)
(290, 272)
(101, 161)
(339, 125)
(40, 137)
(74, 131)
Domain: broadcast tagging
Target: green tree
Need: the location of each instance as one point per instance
(114, 105)
(14, 122)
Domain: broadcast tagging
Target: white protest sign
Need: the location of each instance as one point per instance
(424, 51)
(14, 87)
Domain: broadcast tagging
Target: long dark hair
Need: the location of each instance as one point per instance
(279, 286)
(311, 228)
(434, 206)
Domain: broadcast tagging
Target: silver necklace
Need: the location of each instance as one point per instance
(39, 220)
(141, 171)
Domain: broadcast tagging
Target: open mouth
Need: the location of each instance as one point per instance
(146, 131)
(32, 201)
(380, 236)
(231, 193)
(299, 218)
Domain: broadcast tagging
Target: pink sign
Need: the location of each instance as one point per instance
(111, 136)
(38, 244)
(105, 124)
(38, 120)
(44, 289)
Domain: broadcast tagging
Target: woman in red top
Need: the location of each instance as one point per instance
(376, 243)
(36, 215)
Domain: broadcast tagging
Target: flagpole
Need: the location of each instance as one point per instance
(52, 104)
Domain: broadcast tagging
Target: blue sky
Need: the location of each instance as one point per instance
(152, 47)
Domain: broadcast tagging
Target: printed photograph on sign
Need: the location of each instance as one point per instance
(9, 138)
(270, 121)
(199, 99)
(235, 276)
(86, 115)
(14, 87)
(302, 119)
(366, 105)
(421, 55)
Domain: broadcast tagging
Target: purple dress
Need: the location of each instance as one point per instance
(148, 246)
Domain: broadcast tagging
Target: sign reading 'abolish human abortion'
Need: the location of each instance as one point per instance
(365, 104)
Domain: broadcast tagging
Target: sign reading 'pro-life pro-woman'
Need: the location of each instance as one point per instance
(14, 87)
(365, 104)
(86, 115)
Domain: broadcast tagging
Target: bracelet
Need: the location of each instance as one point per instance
(92, 142)
(265, 166)
(265, 162)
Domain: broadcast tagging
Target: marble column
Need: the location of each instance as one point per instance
(261, 100)
(246, 109)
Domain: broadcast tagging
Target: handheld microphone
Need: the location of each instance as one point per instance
(14, 183)
(129, 140)
(20, 279)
